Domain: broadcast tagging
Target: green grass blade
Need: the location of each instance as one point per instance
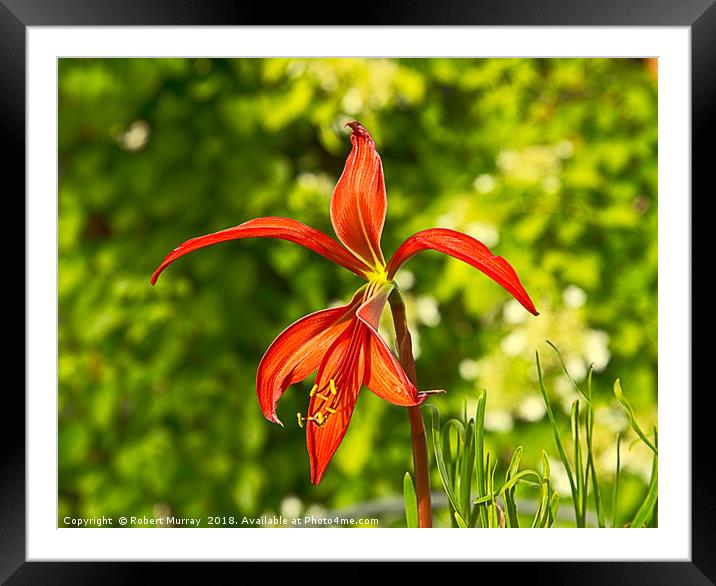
(555, 429)
(647, 509)
(569, 376)
(466, 471)
(481, 484)
(591, 469)
(553, 508)
(630, 414)
(511, 484)
(442, 469)
(509, 492)
(411, 502)
(580, 502)
(615, 493)
(460, 521)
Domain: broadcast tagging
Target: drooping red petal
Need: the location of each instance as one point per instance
(272, 227)
(467, 249)
(383, 373)
(358, 204)
(344, 363)
(298, 351)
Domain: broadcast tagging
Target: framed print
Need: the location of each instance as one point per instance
(426, 271)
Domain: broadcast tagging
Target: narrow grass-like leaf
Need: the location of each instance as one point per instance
(510, 484)
(569, 376)
(591, 469)
(466, 471)
(460, 521)
(553, 507)
(453, 464)
(630, 414)
(509, 492)
(555, 429)
(481, 486)
(411, 502)
(442, 470)
(646, 510)
(615, 493)
(581, 498)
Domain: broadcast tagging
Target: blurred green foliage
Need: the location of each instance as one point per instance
(550, 162)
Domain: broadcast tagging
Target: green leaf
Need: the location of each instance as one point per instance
(555, 429)
(460, 521)
(615, 493)
(591, 469)
(411, 502)
(581, 497)
(569, 376)
(480, 452)
(630, 414)
(442, 470)
(647, 508)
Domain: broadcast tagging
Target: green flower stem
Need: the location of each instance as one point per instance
(417, 426)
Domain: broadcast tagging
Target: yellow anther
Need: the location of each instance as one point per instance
(318, 417)
(313, 391)
(330, 410)
(322, 396)
(300, 420)
(333, 387)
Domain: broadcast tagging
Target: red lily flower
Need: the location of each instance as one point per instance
(343, 343)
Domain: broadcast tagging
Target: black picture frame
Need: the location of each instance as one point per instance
(17, 15)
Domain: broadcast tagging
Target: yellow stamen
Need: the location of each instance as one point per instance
(322, 396)
(300, 420)
(320, 420)
(313, 391)
(330, 410)
(333, 387)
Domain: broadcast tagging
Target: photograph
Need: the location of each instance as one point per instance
(357, 292)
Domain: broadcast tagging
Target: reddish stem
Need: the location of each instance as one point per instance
(417, 427)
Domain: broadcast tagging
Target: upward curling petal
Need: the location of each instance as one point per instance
(271, 227)
(467, 249)
(358, 204)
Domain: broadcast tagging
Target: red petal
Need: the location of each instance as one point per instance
(298, 351)
(467, 249)
(383, 373)
(358, 203)
(344, 363)
(270, 227)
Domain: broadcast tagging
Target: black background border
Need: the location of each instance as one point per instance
(16, 15)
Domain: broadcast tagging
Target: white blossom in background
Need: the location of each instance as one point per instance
(136, 137)
(405, 279)
(514, 343)
(532, 408)
(574, 297)
(446, 221)
(612, 417)
(564, 150)
(488, 234)
(485, 183)
(576, 367)
(469, 369)
(316, 511)
(291, 507)
(498, 420)
(551, 184)
(352, 101)
(513, 312)
(558, 477)
(428, 310)
(596, 349)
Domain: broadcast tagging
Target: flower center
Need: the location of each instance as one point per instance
(329, 395)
